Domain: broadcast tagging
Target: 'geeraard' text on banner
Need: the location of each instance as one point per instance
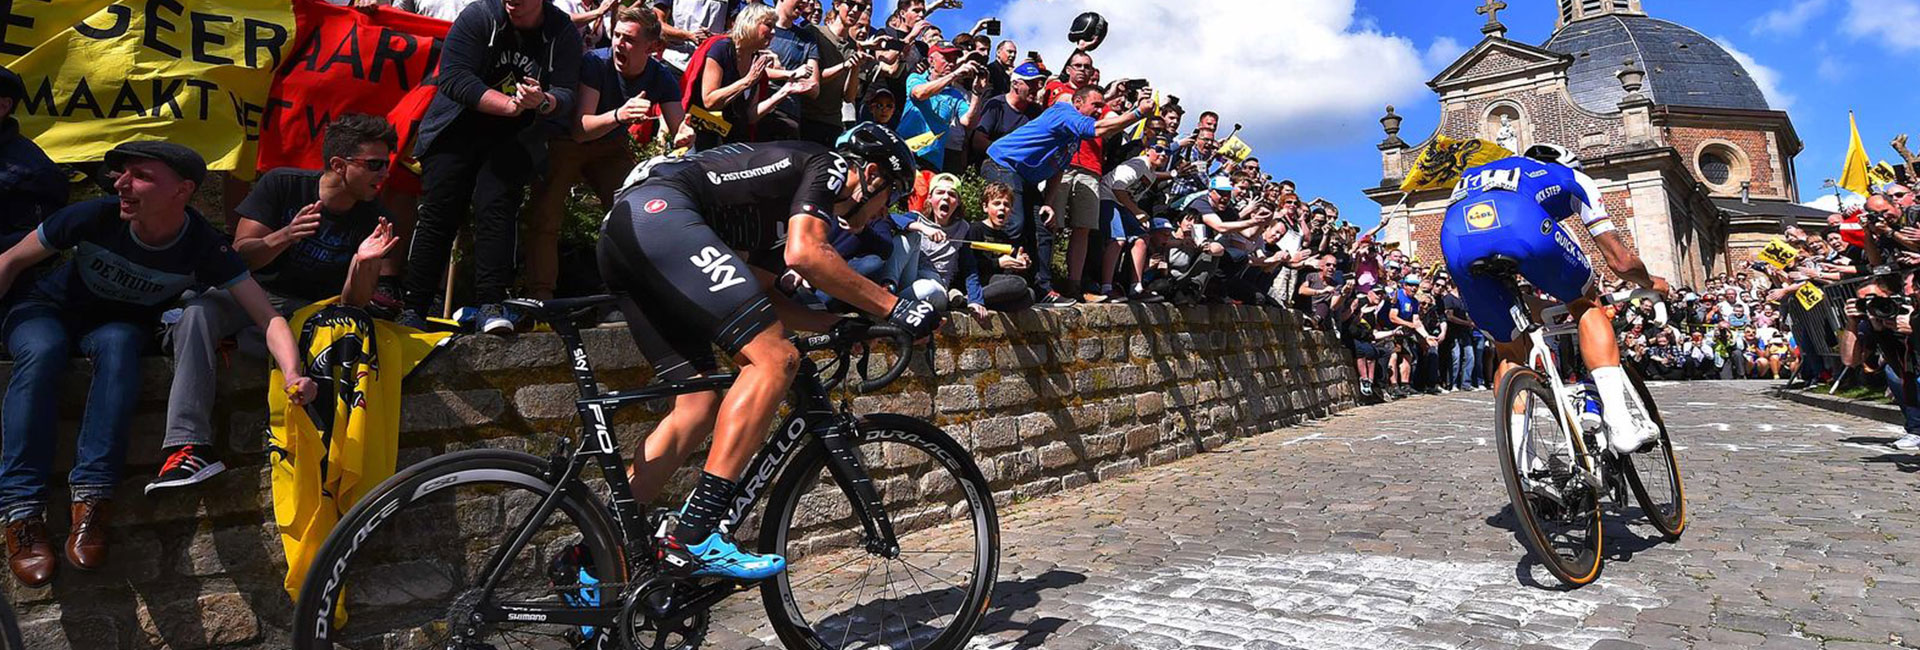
(100, 72)
(378, 61)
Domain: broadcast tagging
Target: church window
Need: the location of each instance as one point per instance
(1716, 168)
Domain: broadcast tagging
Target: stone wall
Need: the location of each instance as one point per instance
(1048, 401)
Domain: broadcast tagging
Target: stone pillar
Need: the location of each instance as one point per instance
(1393, 150)
(1636, 109)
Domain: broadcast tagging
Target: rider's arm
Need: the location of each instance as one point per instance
(1620, 258)
(809, 253)
(791, 313)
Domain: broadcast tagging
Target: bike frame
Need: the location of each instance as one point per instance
(1542, 359)
(813, 421)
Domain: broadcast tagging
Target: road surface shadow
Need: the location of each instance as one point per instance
(1905, 462)
(1011, 597)
(1618, 541)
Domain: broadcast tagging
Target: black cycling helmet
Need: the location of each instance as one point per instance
(1553, 153)
(1088, 26)
(879, 145)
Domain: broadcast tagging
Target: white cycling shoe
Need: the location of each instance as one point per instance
(1633, 436)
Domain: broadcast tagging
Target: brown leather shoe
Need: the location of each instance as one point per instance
(30, 551)
(87, 542)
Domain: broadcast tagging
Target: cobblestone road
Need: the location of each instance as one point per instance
(1384, 528)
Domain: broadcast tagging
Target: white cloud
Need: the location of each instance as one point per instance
(1767, 78)
(1888, 22)
(1291, 71)
(1831, 203)
(1443, 52)
(1789, 19)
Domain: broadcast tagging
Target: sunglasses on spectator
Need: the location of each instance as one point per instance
(372, 164)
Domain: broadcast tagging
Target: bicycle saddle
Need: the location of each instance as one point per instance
(1495, 266)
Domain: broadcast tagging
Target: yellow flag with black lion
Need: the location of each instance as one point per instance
(1443, 161)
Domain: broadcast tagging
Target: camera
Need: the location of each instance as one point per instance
(990, 26)
(889, 43)
(1882, 307)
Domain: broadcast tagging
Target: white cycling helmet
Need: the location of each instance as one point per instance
(1553, 153)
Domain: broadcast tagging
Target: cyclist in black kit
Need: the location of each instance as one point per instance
(671, 249)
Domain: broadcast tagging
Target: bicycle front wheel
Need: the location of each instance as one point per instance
(1655, 475)
(1543, 465)
(839, 590)
(404, 567)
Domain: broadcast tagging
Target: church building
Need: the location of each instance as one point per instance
(1693, 164)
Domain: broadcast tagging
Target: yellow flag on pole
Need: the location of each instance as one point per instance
(1236, 149)
(1441, 163)
(1881, 173)
(1853, 177)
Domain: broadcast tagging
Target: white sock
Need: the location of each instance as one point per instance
(1612, 382)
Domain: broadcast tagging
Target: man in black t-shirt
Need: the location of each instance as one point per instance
(1003, 113)
(670, 249)
(133, 254)
(308, 235)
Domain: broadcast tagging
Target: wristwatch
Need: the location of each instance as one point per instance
(546, 104)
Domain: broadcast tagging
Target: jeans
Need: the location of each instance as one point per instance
(1460, 358)
(1909, 408)
(1482, 365)
(483, 181)
(1024, 226)
(195, 341)
(41, 341)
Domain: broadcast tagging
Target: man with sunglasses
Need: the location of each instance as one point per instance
(307, 235)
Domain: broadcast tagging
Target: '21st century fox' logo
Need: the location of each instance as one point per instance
(714, 263)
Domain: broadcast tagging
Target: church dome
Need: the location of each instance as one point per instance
(1683, 67)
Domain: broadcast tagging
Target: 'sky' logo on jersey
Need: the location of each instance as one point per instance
(1482, 216)
(714, 263)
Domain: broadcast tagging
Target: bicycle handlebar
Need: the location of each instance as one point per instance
(849, 333)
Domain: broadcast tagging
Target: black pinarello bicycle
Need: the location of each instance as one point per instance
(888, 525)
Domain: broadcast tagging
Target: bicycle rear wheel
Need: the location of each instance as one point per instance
(840, 590)
(405, 563)
(1655, 473)
(1541, 462)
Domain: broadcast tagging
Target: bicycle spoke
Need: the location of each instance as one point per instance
(929, 574)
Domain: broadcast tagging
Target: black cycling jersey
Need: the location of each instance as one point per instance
(745, 191)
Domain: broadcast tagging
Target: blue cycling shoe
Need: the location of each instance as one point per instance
(717, 557)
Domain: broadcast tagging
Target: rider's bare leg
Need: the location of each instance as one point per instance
(767, 366)
(667, 447)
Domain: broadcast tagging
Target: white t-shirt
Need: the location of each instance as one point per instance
(692, 16)
(590, 32)
(1134, 177)
(442, 9)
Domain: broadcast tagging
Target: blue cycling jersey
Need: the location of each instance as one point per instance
(1513, 207)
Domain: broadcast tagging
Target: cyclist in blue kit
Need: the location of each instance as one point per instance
(1512, 208)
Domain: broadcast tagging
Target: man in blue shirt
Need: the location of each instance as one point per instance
(134, 254)
(1036, 153)
(943, 103)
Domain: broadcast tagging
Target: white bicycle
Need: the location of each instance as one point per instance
(1553, 477)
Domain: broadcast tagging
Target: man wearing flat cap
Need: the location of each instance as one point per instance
(134, 253)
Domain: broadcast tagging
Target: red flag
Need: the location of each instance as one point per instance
(379, 61)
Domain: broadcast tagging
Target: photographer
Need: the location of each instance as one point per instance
(1882, 320)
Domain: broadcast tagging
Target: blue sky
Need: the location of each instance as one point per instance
(1309, 78)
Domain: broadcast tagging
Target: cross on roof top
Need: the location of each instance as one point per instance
(1491, 10)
